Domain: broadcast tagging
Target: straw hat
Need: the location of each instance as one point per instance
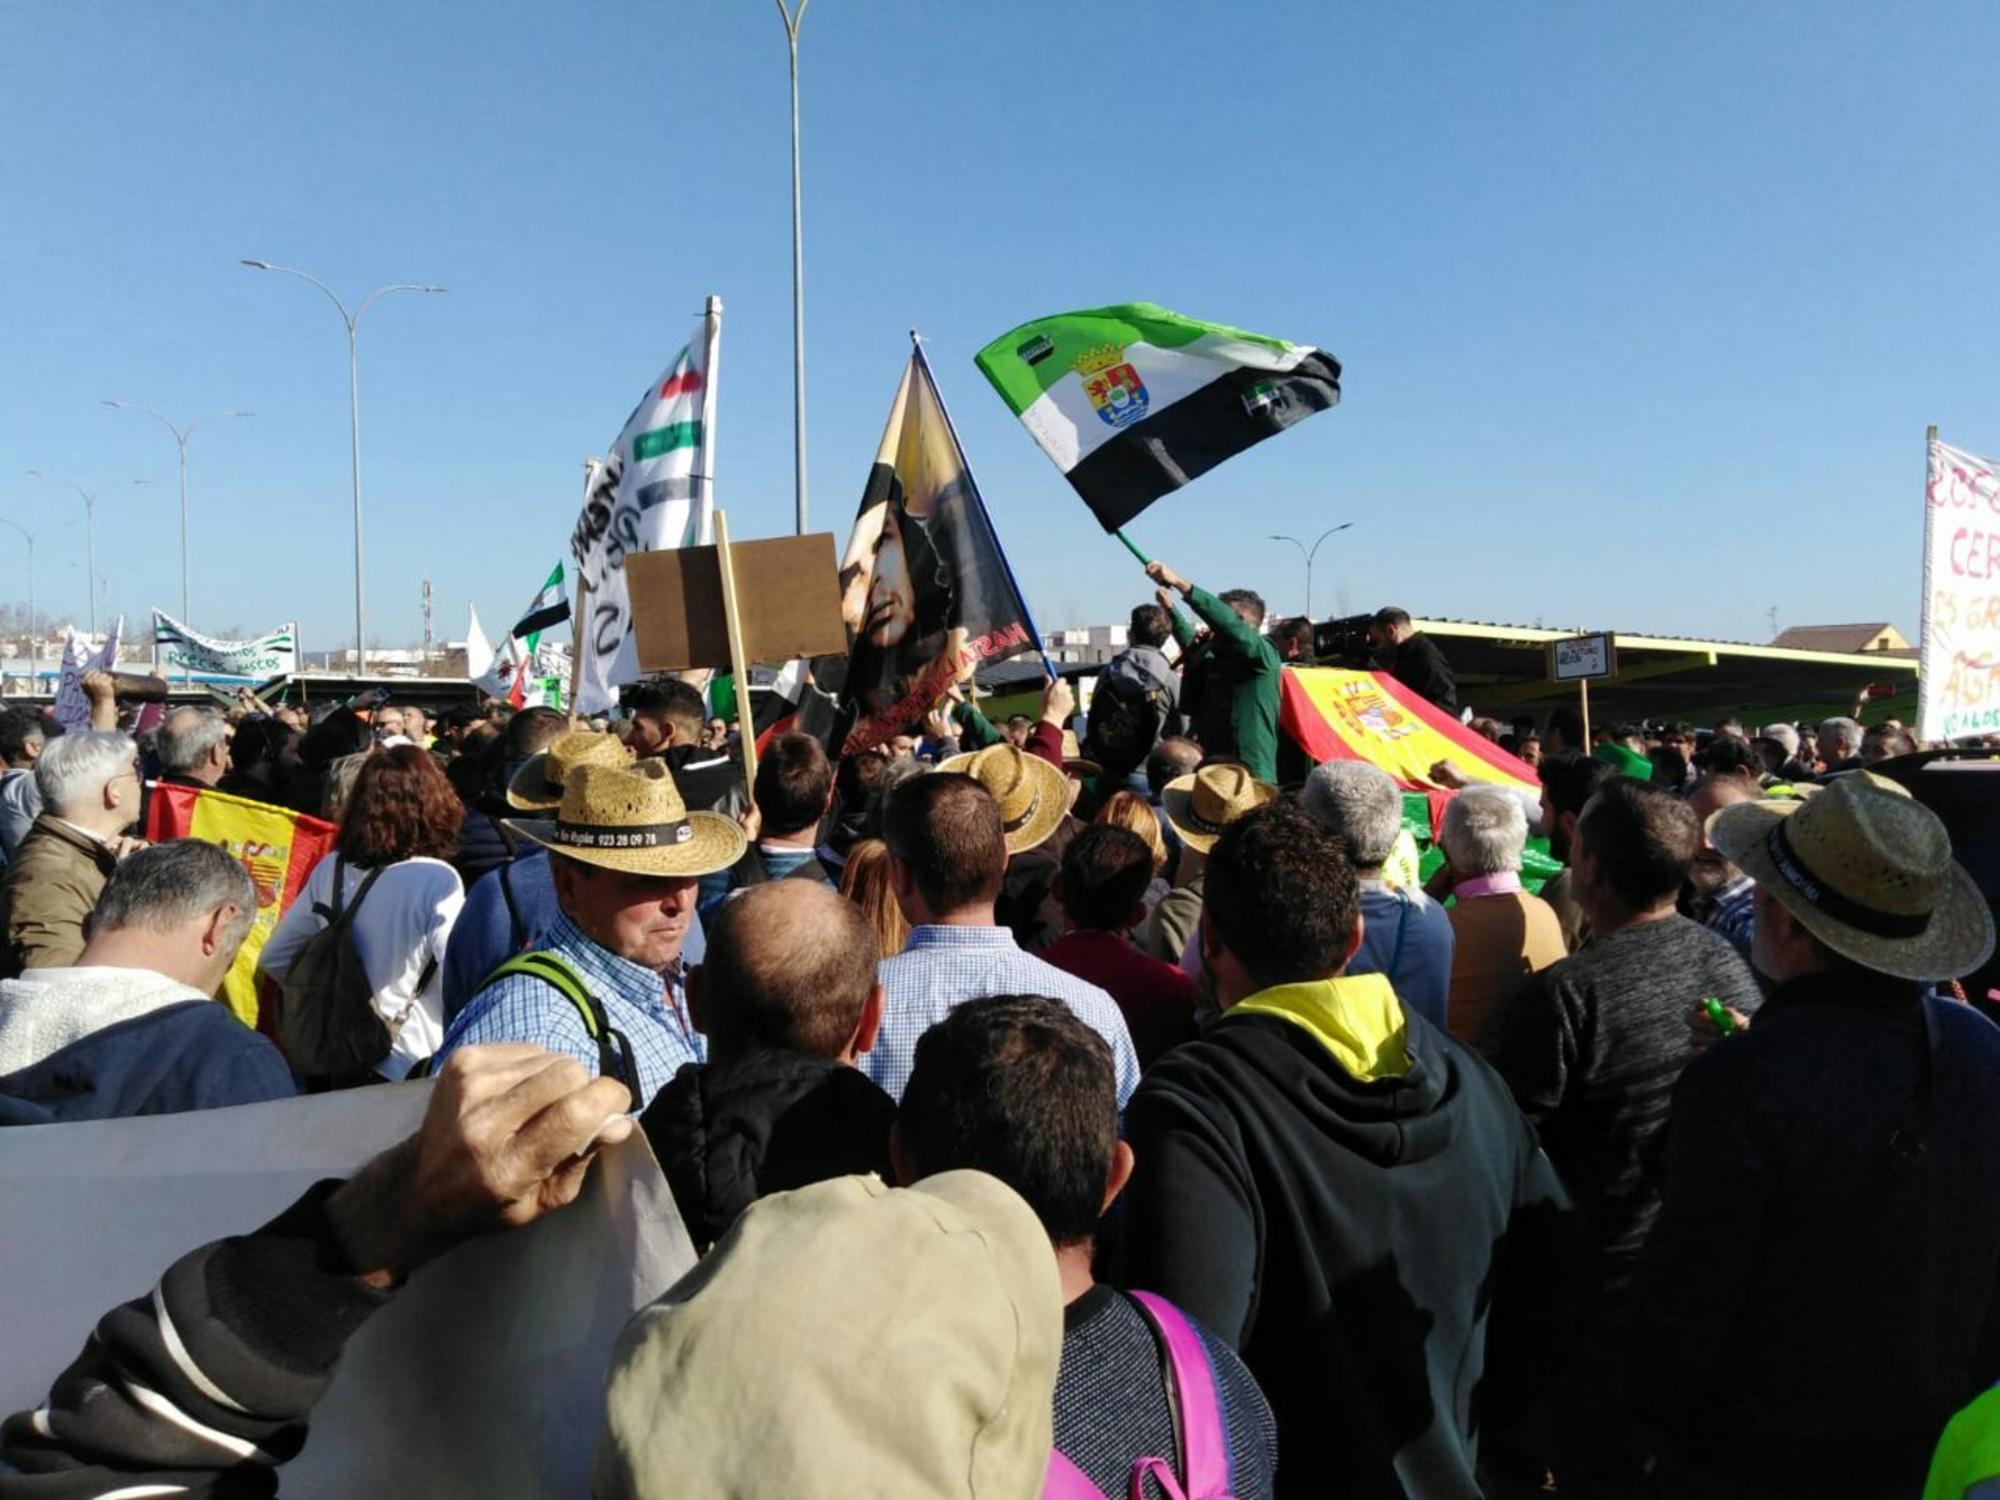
(1032, 794)
(1075, 762)
(631, 817)
(538, 785)
(1202, 805)
(1868, 870)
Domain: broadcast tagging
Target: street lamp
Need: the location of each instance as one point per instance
(89, 530)
(353, 322)
(181, 436)
(34, 655)
(1309, 556)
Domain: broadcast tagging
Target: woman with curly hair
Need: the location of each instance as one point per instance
(399, 827)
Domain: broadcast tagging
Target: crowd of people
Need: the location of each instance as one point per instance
(1064, 1106)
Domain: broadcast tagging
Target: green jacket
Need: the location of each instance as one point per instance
(1241, 676)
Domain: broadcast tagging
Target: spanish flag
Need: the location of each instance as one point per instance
(277, 846)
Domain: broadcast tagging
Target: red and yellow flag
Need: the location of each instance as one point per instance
(1336, 714)
(277, 846)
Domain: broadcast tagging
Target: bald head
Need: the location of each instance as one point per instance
(790, 964)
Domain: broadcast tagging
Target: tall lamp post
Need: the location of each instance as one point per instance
(34, 640)
(1309, 556)
(89, 531)
(353, 322)
(793, 20)
(181, 436)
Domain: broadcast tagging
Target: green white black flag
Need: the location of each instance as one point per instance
(1134, 401)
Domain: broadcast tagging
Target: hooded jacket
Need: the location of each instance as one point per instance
(728, 1133)
(1351, 1198)
(104, 1043)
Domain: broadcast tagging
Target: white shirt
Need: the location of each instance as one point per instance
(399, 932)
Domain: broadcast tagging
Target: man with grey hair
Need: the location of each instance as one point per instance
(90, 795)
(1501, 933)
(1405, 935)
(1839, 746)
(132, 1028)
(194, 747)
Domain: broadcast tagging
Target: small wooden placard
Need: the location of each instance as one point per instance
(788, 586)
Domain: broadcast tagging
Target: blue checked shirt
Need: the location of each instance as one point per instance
(649, 1009)
(943, 967)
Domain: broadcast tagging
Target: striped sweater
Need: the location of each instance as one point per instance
(202, 1386)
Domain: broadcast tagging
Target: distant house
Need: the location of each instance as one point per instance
(1878, 637)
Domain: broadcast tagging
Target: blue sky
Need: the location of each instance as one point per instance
(1643, 308)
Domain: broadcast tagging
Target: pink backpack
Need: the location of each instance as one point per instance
(1204, 1457)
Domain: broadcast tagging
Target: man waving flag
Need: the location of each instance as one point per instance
(1133, 401)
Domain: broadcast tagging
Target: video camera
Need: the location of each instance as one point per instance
(1344, 642)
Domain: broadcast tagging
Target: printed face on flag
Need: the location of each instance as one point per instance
(924, 590)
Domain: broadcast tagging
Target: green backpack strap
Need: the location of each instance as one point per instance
(614, 1051)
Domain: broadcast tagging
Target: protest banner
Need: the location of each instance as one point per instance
(176, 648)
(654, 490)
(925, 590)
(1958, 673)
(71, 709)
(484, 1377)
(277, 846)
(729, 605)
(1131, 402)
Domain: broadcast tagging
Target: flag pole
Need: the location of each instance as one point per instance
(578, 621)
(745, 726)
(1144, 561)
(793, 20)
(979, 500)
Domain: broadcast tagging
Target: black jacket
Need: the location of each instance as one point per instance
(1379, 1252)
(1822, 1288)
(728, 1133)
(1421, 667)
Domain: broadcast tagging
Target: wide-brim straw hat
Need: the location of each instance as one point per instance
(538, 785)
(1202, 805)
(1032, 793)
(1075, 762)
(631, 818)
(1868, 870)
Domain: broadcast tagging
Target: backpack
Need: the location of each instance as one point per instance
(1126, 716)
(326, 1022)
(614, 1050)
(1203, 1470)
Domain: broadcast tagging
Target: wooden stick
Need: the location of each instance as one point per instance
(1583, 690)
(579, 626)
(738, 667)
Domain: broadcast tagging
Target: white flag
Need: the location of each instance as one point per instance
(653, 491)
(478, 650)
(1959, 645)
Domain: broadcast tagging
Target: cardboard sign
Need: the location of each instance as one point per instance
(788, 588)
(483, 1378)
(1583, 657)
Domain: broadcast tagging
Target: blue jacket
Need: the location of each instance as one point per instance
(194, 1055)
(1418, 963)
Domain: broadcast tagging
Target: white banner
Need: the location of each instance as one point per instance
(71, 709)
(179, 649)
(484, 1378)
(654, 491)
(1959, 670)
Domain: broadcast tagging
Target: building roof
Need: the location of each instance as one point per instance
(1859, 637)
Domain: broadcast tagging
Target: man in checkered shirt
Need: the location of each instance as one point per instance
(947, 854)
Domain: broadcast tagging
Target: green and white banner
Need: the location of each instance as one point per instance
(1133, 401)
(179, 649)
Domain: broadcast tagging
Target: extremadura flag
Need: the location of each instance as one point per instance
(1134, 401)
